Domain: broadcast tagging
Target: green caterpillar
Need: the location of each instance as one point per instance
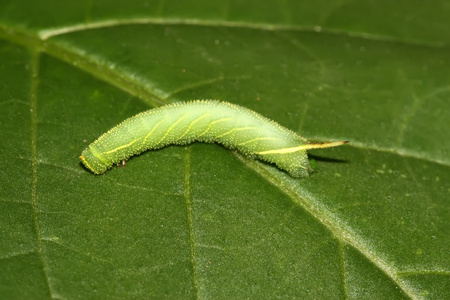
(207, 121)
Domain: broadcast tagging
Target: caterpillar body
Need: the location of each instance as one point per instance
(208, 121)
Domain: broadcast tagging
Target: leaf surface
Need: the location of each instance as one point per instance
(201, 221)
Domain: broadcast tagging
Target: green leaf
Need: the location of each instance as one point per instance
(201, 221)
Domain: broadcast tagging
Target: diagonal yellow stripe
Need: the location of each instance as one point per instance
(213, 123)
(192, 124)
(134, 141)
(303, 147)
(170, 129)
(235, 129)
(257, 139)
(150, 133)
(284, 150)
(121, 147)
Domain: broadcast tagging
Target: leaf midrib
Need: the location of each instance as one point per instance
(35, 58)
(48, 33)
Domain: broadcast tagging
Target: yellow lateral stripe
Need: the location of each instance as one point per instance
(303, 147)
(212, 123)
(134, 141)
(170, 129)
(325, 145)
(257, 139)
(235, 129)
(121, 147)
(150, 133)
(282, 151)
(192, 124)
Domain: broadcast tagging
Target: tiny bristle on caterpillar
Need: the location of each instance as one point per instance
(208, 121)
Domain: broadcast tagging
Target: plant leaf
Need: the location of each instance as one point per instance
(202, 221)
